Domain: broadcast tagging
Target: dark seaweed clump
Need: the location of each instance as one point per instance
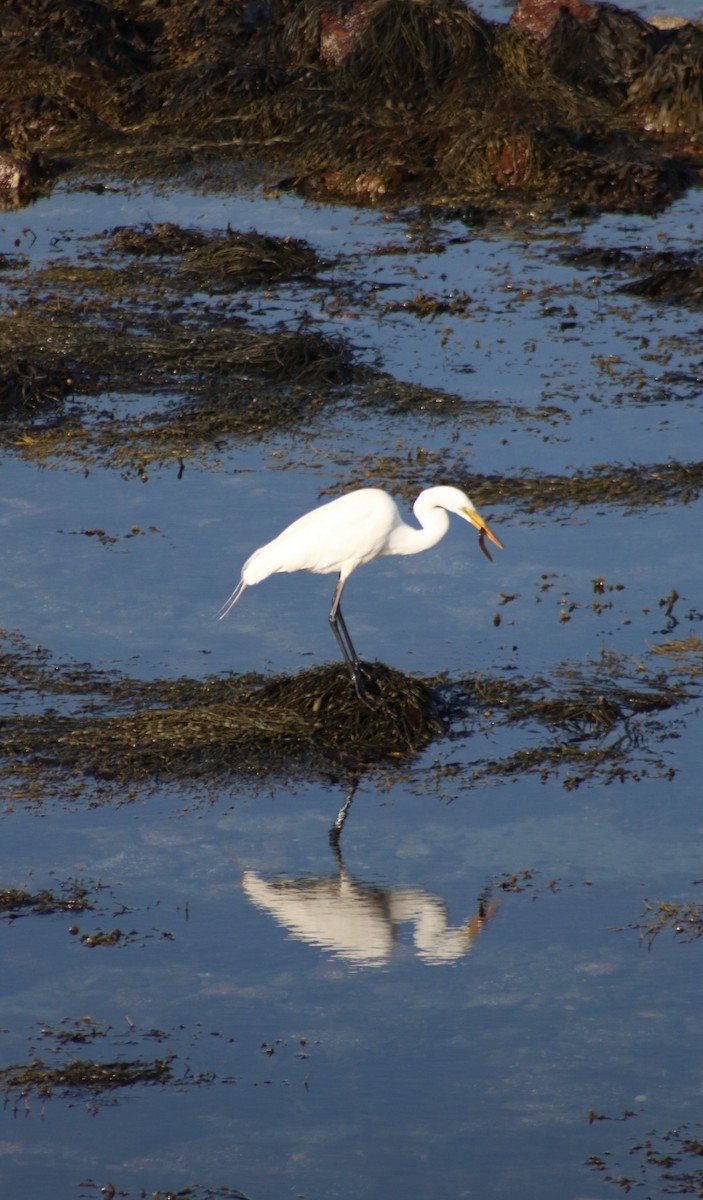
(16, 902)
(80, 1075)
(110, 735)
(577, 104)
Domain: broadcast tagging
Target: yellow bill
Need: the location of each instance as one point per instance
(484, 532)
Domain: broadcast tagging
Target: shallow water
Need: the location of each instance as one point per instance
(359, 1030)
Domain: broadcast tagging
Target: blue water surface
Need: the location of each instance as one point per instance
(390, 1021)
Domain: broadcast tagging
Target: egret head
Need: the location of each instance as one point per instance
(456, 501)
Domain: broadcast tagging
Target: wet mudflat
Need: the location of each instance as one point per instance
(491, 982)
(488, 985)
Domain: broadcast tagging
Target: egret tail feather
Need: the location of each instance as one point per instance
(232, 600)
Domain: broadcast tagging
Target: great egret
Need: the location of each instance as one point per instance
(352, 530)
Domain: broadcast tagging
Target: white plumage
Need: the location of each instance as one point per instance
(350, 531)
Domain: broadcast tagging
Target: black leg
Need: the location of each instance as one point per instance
(341, 633)
(353, 657)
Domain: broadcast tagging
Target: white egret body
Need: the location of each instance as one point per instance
(349, 531)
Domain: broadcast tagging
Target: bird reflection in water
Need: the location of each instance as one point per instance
(360, 922)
